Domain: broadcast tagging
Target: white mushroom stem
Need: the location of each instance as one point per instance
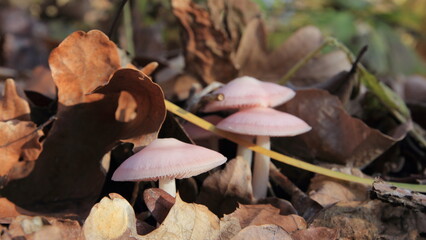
(245, 153)
(261, 169)
(168, 185)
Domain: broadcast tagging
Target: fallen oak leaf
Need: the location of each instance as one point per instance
(12, 106)
(115, 219)
(81, 63)
(67, 172)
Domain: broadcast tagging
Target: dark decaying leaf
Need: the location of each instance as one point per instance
(67, 174)
(223, 190)
(335, 136)
(372, 220)
(207, 49)
(305, 206)
(158, 202)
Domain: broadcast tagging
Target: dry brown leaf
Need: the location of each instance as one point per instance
(327, 191)
(316, 233)
(207, 50)
(266, 214)
(254, 59)
(80, 64)
(232, 16)
(223, 190)
(19, 148)
(111, 218)
(263, 232)
(158, 202)
(12, 106)
(335, 136)
(187, 221)
(67, 172)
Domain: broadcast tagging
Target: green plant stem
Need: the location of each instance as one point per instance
(128, 30)
(390, 99)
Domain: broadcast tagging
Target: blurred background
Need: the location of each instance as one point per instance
(393, 29)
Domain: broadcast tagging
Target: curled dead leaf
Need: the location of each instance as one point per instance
(19, 148)
(261, 214)
(68, 173)
(327, 191)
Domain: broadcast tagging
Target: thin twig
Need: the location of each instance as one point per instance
(51, 119)
(116, 19)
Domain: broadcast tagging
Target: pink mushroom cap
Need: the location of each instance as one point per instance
(262, 121)
(245, 92)
(168, 158)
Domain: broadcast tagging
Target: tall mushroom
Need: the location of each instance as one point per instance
(263, 122)
(165, 160)
(246, 92)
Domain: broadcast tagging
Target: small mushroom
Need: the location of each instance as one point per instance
(263, 122)
(165, 160)
(246, 92)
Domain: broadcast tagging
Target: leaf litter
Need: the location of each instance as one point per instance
(50, 183)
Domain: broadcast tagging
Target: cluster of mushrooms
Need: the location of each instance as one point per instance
(169, 159)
